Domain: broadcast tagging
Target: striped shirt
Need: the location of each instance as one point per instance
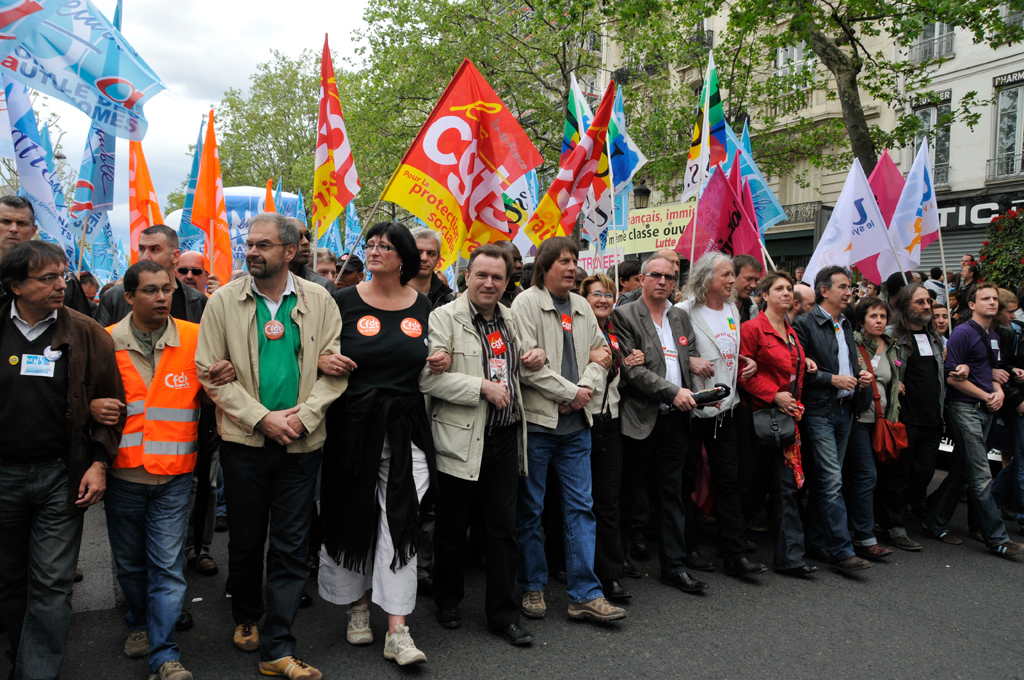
(500, 362)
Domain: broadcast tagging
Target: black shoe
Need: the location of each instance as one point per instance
(804, 571)
(629, 570)
(561, 577)
(694, 560)
(514, 634)
(184, 622)
(306, 601)
(638, 546)
(684, 582)
(313, 561)
(448, 616)
(819, 554)
(425, 587)
(222, 524)
(79, 575)
(614, 591)
(744, 567)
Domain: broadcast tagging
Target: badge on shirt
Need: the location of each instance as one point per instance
(499, 372)
(924, 346)
(875, 360)
(52, 354)
(615, 341)
(37, 365)
(13, 361)
(497, 343)
(683, 340)
(670, 353)
(411, 327)
(567, 323)
(273, 329)
(368, 326)
(995, 348)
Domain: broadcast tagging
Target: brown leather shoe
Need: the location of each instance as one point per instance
(872, 552)
(851, 564)
(205, 565)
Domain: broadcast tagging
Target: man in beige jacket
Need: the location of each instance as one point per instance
(555, 397)
(273, 327)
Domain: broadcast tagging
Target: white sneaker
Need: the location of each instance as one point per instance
(400, 647)
(359, 632)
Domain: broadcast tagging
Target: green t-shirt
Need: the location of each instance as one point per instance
(279, 359)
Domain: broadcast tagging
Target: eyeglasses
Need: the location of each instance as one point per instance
(153, 290)
(379, 247)
(262, 246)
(671, 278)
(196, 271)
(598, 294)
(48, 279)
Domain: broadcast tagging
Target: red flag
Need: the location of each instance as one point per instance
(886, 184)
(722, 223)
(268, 202)
(209, 211)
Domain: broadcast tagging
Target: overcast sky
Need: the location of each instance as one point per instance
(200, 49)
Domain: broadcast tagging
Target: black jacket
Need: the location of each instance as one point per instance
(1011, 356)
(818, 337)
(113, 307)
(308, 274)
(440, 294)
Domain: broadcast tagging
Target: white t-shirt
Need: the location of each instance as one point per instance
(727, 332)
(673, 373)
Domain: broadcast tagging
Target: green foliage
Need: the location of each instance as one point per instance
(1002, 255)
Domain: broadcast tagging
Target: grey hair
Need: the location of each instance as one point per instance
(646, 266)
(703, 273)
(424, 232)
(286, 230)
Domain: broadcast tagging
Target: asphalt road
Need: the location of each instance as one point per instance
(946, 612)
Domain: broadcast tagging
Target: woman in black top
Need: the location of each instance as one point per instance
(379, 454)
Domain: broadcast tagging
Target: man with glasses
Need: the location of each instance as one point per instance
(160, 244)
(655, 413)
(272, 326)
(54, 455)
(192, 272)
(300, 263)
(426, 281)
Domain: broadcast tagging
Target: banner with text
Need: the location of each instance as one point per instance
(652, 228)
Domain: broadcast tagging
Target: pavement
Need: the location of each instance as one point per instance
(945, 612)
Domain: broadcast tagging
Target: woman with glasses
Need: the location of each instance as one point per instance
(606, 443)
(379, 454)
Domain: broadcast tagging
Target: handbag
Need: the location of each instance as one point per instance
(773, 427)
(888, 439)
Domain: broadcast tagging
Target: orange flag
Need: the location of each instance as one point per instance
(467, 153)
(268, 202)
(209, 213)
(143, 209)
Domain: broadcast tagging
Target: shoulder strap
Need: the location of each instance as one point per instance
(986, 342)
(874, 383)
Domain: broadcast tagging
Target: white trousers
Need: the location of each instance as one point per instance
(393, 591)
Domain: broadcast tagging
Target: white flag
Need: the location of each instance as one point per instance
(915, 222)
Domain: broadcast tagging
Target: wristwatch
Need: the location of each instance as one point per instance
(259, 424)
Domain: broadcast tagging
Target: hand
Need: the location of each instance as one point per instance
(635, 358)
(534, 359)
(583, 395)
(212, 283)
(335, 364)
(294, 422)
(864, 379)
(601, 356)
(105, 411)
(439, 362)
(903, 388)
(844, 382)
(1020, 409)
(702, 367)
(565, 409)
(1018, 374)
(786, 401)
(749, 368)
(221, 373)
(684, 400)
(495, 393)
(94, 483)
(276, 426)
(995, 401)
(1000, 376)
(811, 366)
(961, 373)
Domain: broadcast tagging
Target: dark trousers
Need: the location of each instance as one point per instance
(922, 470)
(893, 492)
(498, 490)
(39, 545)
(719, 438)
(606, 471)
(665, 448)
(268, 486)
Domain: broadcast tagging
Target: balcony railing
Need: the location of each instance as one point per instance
(1005, 166)
(932, 48)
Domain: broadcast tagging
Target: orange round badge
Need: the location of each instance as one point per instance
(273, 329)
(412, 328)
(368, 326)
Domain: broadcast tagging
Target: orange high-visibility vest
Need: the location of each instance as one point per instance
(162, 430)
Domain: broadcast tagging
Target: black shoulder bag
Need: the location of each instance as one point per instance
(773, 427)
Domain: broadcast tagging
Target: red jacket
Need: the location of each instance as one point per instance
(775, 361)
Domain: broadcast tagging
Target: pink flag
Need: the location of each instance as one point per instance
(886, 184)
(722, 223)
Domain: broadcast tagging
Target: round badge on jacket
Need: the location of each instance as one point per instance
(412, 327)
(683, 340)
(368, 326)
(273, 329)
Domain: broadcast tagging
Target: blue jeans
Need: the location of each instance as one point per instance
(147, 524)
(859, 477)
(969, 423)
(1008, 489)
(570, 454)
(823, 440)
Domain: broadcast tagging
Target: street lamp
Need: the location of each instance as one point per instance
(641, 195)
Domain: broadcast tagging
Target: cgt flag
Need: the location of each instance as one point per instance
(209, 210)
(143, 208)
(335, 180)
(470, 149)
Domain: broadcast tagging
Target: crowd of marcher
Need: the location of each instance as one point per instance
(382, 431)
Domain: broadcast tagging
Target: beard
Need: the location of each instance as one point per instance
(920, 319)
(262, 269)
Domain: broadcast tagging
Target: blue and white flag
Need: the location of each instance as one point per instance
(766, 206)
(626, 157)
(745, 139)
(331, 240)
(38, 185)
(103, 261)
(120, 260)
(70, 51)
(192, 238)
(300, 210)
(915, 222)
(94, 192)
(353, 232)
(524, 194)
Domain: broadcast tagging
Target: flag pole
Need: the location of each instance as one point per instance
(362, 233)
(942, 254)
(899, 265)
(81, 243)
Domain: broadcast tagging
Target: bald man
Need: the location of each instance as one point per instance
(192, 272)
(803, 300)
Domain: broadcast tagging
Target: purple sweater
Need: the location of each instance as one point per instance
(966, 347)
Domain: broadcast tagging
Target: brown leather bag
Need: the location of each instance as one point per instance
(888, 439)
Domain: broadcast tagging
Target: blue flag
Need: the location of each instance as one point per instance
(626, 157)
(103, 260)
(192, 237)
(766, 206)
(746, 137)
(300, 210)
(353, 231)
(94, 192)
(120, 259)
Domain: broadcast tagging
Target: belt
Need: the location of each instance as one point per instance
(843, 401)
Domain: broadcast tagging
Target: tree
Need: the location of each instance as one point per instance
(1001, 255)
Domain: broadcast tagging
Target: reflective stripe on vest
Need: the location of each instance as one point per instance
(161, 433)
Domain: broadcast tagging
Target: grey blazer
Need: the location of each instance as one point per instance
(644, 388)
